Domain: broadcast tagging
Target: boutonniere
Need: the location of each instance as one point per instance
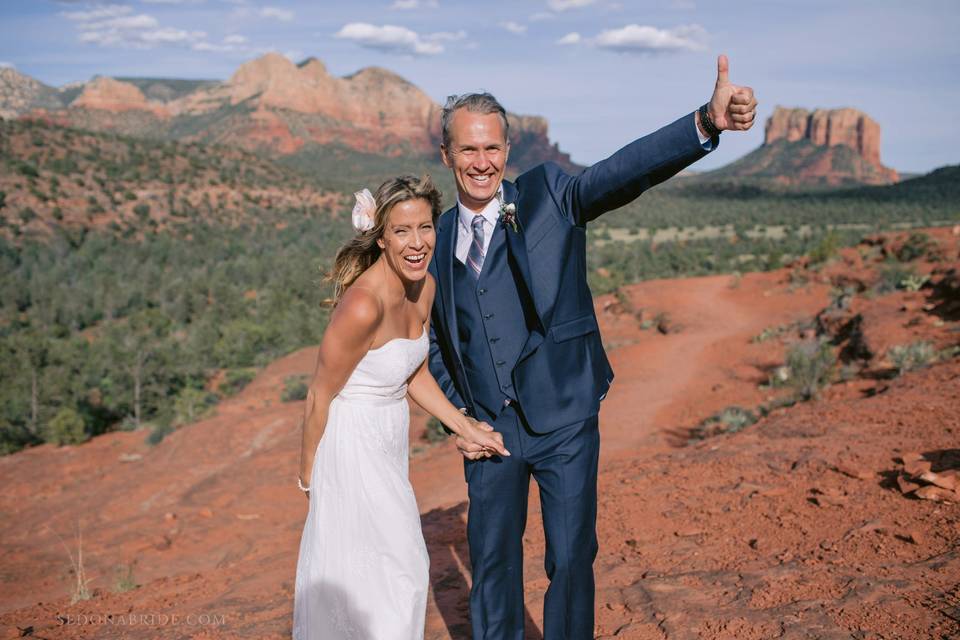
(508, 213)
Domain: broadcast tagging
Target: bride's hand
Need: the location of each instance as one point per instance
(480, 434)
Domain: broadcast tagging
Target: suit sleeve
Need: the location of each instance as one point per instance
(437, 367)
(621, 178)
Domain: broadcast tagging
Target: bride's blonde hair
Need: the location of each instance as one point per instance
(361, 251)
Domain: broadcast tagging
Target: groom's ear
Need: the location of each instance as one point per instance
(443, 156)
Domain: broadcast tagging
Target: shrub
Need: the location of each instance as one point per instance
(810, 366)
(124, 580)
(235, 380)
(294, 388)
(27, 169)
(730, 420)
(192, 404)
(907, 357)
(158, 432)
(12, 438)
(66, 427)
(914, 282)
(916, 246)
(435, 431)
(891, 277)
(142, 210)
(826, 248)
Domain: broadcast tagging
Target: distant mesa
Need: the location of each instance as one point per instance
(268, 103)
(823, 146)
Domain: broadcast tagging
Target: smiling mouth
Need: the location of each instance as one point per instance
(484, 179)
(415, 259)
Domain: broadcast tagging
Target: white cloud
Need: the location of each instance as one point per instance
(390, 38)
(7, 65)
(123, 23)
(449, 36)
(171, 1)
(570, 38)
(116, 25)
(540, 16)
(234, 42)
(170, 35)
(284, 15)
(514, 27)
(408, 5)
(100, 12)
(635, 38)
(564, 5)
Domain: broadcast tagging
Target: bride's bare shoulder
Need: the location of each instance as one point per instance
(360, 309)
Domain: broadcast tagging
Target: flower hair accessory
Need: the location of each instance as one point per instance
(363, 211)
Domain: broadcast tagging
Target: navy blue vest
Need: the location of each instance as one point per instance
(492, 318)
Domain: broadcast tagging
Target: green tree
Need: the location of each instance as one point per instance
(66, 427)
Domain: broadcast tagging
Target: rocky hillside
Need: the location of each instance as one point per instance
(54, 177)
(831, 518)
(822, 147)
(19, 93)
(268, 103)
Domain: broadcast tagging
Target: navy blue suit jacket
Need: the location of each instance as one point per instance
(562, 373)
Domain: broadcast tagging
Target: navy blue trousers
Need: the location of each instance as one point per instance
(564, 464)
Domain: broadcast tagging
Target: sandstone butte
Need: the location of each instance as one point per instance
(829, 128)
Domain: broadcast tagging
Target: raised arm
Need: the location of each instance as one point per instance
(621, 178)
(347, 338)
(648, 161)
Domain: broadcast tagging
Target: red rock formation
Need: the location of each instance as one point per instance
(828, 128)
(108, 94)
(373, 110)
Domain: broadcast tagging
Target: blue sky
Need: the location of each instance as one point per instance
(631, 67)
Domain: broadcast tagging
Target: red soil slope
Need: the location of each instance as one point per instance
(793, 528)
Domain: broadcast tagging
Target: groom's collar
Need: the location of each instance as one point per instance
(490, 211)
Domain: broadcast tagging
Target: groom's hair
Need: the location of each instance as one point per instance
(476, 102)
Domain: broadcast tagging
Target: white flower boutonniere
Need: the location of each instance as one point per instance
(508, 213)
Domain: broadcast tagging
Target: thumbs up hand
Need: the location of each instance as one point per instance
(731, 107)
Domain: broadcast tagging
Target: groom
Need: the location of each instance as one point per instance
(514, 341)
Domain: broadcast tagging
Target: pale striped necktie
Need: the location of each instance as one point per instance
(476, 254)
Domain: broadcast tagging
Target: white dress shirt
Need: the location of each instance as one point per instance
(491, 213)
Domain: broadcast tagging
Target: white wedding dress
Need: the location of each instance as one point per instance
(363, 569)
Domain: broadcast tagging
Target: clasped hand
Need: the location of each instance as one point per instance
(478, 440)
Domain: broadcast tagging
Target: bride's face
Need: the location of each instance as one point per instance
(408, 239)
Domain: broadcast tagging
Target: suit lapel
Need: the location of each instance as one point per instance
(446, 245)
(516, 243)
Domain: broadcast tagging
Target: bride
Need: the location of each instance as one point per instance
(362, 571)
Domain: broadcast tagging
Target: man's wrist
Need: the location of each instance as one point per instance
(705, 123)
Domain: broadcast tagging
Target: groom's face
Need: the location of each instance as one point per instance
(477, 155)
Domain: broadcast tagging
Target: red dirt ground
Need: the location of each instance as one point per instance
(794, 527)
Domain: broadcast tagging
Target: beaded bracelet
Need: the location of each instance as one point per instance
(707, 123)
(300, 484)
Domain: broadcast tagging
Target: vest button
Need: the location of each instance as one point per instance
(494, 339)
(487, 316)
(482, 291)
(500, 363)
